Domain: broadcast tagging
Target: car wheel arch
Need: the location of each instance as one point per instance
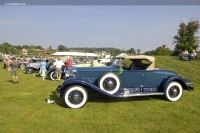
(165, 83)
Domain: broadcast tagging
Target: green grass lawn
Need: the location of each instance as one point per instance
(23, 108)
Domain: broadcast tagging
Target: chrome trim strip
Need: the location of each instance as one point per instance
(143, 94)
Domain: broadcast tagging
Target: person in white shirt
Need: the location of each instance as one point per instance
(58, 65)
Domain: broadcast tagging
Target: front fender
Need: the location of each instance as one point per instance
(169, 79)
(86, 85)
(51, 70)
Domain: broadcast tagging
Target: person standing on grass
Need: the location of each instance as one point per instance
(14, 67)
(43, 69)
(58, 65)
(50, 64)
(9, 61)
(69, 65)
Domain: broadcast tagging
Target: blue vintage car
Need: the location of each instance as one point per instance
(129, 76)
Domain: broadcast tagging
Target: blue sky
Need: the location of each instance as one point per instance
(131, 26)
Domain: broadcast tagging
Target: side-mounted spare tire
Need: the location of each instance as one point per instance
(109, 82)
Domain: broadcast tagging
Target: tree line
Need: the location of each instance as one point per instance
(7, 48)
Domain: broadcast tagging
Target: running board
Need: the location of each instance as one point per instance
(142, 94)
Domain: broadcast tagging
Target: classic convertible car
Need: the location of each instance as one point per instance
(128, 77)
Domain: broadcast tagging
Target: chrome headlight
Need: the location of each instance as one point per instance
(187, 81)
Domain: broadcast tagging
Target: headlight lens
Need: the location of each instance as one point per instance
(187, 81)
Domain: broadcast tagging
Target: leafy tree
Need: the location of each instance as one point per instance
(13, 50)
(92, 50)
(149, 52)
(138, 51)
(185, 38)
(32, 47)
(2, 49)
(9, 49)
(49, 50)
(131, 51)
(18, 47)
(26, 47)
(5, 47)
(61, 48)
(38, 47)
(162, 50)
(33, 52)
(115, 52)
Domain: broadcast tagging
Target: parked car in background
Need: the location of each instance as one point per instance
(52, 73)
(23, 63)
(134, 76)
(33, 66)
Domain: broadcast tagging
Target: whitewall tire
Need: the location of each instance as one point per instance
(110, 83)
(75, 96)
(53, 75)
(173, 91)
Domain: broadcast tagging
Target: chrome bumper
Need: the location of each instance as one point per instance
(188, 83)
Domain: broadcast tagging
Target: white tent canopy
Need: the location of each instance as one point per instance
(72, 54)
(121, 55)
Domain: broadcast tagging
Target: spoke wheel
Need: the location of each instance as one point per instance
(109, 83)
(29, 70)
(173, 91)
(75, 96)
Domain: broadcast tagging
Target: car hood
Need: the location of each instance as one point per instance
(100, 68)
(166, 72)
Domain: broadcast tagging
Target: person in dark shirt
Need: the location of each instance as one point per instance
(14, 67)
(50, 64)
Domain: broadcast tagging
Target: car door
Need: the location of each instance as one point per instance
(133, 78)
(153, 78)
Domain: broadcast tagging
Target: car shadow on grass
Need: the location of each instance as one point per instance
(101, 99)
(123, 99)
(56, 100)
